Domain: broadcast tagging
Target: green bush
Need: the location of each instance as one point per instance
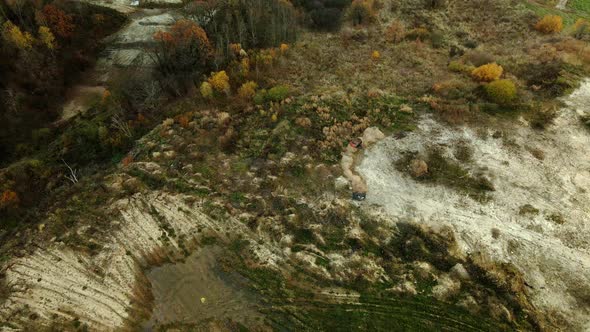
(501, 91)
(458, 67)
(278, 93)
(260, 97)
(275, 94)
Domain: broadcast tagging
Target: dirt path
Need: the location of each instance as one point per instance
(550, 244)
(124, 49)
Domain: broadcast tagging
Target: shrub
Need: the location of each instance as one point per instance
(206, 90)
(421, 34)
(437, 39)
(354, 34)
(458, 67)
(451, 89)
(181, 55)
(487, 73)
(581, 28)
(375, 55)
(284, 48)
(260, 97)
(9, 198)
(127, 160)
(220, 82)
(247, 90)
(547, 77)
(395, 32)
(361, 12)
(550, 24)
(501, 92)
(479, 58)
(277, 93)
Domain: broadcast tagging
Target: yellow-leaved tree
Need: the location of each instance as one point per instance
(488, 73)
(46, 37)
(13, 35)
(247, 90)
(550, 24)
(220, 82)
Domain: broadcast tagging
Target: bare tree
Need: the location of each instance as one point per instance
(73, 176)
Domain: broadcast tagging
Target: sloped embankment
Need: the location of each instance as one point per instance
(108, 291)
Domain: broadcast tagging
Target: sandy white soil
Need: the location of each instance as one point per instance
(555, 258)
(100, 290)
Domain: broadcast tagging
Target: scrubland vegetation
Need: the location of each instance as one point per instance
(249, 104)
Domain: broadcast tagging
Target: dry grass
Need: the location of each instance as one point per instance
(503, 33)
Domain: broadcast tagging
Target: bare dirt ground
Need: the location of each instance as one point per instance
(197, 290)
(551, 245)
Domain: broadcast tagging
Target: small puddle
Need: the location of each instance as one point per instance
(199, 290)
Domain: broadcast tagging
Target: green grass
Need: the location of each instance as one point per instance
(377, 313)
(581, 9)
(582, 6)
(450, 173)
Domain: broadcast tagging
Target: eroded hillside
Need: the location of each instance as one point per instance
(230, 207)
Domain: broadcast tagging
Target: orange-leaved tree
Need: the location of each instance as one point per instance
(9, 199)
(182, 54)
(60, 23)
(46, 37)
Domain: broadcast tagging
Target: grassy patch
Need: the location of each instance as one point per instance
(569, 17)
(450, 173)
(582, 6)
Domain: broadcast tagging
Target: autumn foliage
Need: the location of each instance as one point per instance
(184, 33)
(395, 32)
(501, 91)
(12, 34)
(46, 37)
(220, 82)
(9, 198)
(59, 22)
(550, 24)
(487, 73)
(182, 54)
(247, 90)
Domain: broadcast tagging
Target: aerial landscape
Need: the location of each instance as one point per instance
(295, 165)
